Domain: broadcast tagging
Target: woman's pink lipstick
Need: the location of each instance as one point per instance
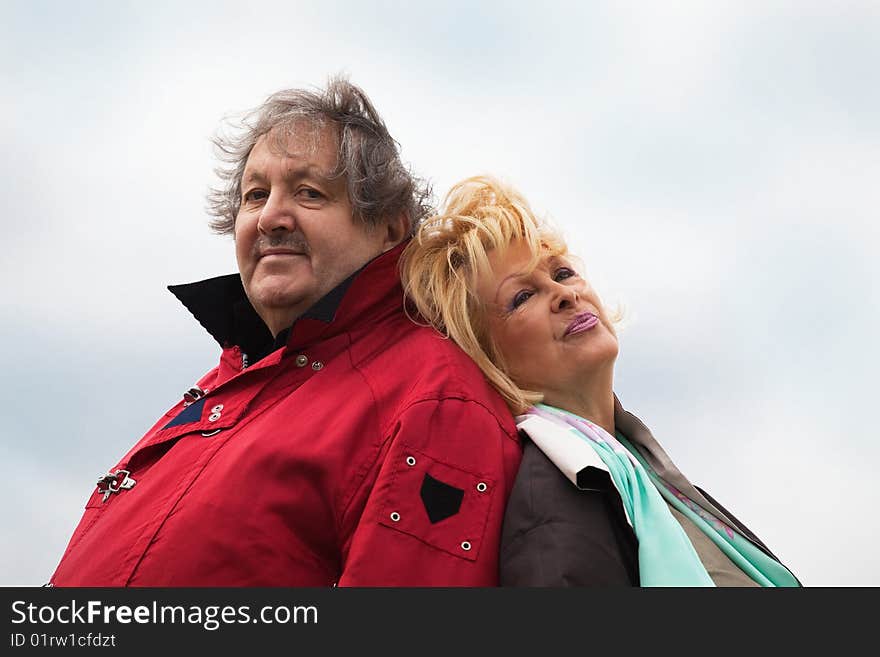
(582, 322)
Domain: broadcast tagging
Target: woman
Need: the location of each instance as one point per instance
(596, 501)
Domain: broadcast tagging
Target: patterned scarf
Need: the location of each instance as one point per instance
(666, 555)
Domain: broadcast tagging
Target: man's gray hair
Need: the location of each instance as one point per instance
(379, 185)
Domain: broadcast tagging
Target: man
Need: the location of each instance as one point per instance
(336, 442)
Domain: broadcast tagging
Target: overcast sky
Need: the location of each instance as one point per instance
(715, 165)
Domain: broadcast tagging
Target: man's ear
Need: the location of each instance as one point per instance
(396, 230)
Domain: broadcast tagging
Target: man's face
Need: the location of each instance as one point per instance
(295, 236)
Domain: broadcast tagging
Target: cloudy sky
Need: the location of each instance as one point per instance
(715, 164)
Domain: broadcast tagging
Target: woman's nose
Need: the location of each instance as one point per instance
(276, 215)
(564, 297)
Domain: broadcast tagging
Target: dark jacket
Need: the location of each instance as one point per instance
(557, 534)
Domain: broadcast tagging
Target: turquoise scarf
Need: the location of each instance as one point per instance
(666, 555)
(753, 561)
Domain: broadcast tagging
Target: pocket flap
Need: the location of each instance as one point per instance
(440, 504)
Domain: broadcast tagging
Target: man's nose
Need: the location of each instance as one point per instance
(277, 214)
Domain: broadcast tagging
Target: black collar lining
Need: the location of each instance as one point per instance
(221, 306)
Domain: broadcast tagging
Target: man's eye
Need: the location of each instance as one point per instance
(255, 195)
(311, 194)
(520, 298)
(562, 273)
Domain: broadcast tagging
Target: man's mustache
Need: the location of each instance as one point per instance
(293, 241)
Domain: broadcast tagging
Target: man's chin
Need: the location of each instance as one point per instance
(280, 299)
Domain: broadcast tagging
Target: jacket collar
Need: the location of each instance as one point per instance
(221, 306)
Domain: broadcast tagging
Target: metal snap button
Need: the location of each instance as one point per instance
(395, 516)
(465, 546)
(482, 487)
(302, 360)
(213, 417)
(193, 394)
(217, 408)
(410, 461)
(317, 365)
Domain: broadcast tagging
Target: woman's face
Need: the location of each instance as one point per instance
(548, 324)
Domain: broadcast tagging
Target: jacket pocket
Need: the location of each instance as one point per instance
(438, 503)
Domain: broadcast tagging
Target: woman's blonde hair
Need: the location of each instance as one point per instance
(441, 265)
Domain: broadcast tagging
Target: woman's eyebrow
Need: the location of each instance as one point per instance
(516, 274)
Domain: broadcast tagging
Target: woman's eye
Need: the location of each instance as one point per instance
(562, 273)
(520, 298)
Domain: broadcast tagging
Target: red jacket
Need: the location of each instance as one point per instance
(364, 451)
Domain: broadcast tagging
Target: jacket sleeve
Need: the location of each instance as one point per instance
(558, 535)
(433, 516)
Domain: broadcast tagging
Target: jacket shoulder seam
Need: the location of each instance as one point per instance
(443, 397)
